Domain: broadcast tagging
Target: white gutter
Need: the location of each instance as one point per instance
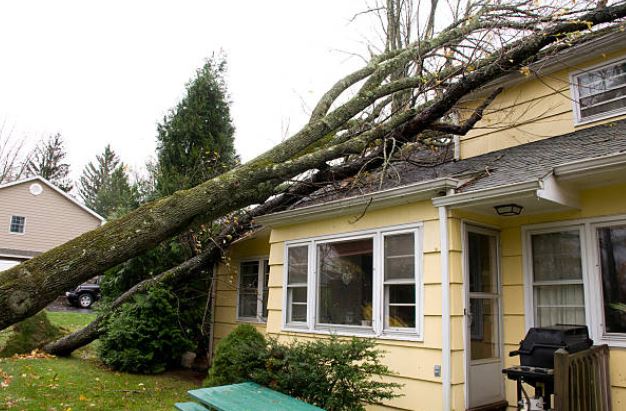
(487, 194)
(589, 166)
(372, 201)
(446, 355)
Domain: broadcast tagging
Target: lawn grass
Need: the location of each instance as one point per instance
(82, 383)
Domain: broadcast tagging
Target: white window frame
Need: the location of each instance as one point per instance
(260, 288)
(590, 259)
(573, 77)
(11, 224)
(377, 329)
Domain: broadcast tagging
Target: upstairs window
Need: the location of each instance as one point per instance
(17, 224)
(600, 93)
(253, 290)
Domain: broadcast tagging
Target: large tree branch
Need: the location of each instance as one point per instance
(29, 287)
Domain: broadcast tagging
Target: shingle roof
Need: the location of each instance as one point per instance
(517, 164)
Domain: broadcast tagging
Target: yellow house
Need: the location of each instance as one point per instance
(448, 266)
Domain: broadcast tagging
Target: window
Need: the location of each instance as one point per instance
(557, 278)
(612, 256)
(367, 283)
(17, 224)
(600, 93)
(253, 290)
(578, 276)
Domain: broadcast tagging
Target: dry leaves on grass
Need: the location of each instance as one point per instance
(5, 379)
(34, 354)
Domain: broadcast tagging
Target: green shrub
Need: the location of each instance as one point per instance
(334, 374)
(30, 334)
(144, 336)
(237, 356)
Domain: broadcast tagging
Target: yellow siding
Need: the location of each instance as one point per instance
(533, 110)
(413, 362)
(225, 313)
(598, 202)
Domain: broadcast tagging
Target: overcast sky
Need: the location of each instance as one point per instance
(104, 72)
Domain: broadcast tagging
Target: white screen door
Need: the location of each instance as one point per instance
(483, 318)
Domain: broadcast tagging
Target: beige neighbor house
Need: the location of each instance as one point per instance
(36, 216)
(431, 265)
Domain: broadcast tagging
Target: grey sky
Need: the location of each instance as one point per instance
(106, 72)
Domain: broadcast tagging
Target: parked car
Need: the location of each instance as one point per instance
(85, 294)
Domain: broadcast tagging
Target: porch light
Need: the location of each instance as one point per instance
(509, 209)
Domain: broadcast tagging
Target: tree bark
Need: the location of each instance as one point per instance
(29, 287)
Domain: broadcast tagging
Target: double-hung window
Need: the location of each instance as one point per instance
(599, 92)
(578, 276)
(557, 278)
(611, 246)
(18, 224)
(364, 283)
(253, 290)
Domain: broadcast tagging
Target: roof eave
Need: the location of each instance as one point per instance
(385, 198)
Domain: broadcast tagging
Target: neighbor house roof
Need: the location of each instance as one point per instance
(58, 190)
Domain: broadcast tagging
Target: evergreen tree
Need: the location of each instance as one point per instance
(47, 160)
(195, 140)
(105, 187)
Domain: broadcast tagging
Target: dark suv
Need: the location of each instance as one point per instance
(85, 294)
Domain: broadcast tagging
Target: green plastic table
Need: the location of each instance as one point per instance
(247, 396)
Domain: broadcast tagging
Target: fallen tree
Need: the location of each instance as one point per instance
(337, 132)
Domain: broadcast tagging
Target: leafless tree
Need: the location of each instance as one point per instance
(362, 121)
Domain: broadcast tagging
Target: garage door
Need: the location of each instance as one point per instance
(6, 264)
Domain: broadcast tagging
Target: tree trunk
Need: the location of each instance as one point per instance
(29, 287)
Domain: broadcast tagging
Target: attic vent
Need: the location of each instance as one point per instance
(36, 189)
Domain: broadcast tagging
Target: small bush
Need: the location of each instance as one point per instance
(143, 336)
(334, 374)
(237, 356)
(30, 334)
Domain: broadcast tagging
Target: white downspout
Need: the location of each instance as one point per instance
(445, 308)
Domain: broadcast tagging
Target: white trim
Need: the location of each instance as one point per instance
(467, 227)
(590, 166)
(376, 330)
(576, 97)
(58, 190)
(486, 195)
(446, 352)
(379, 199)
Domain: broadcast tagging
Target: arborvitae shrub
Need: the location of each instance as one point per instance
(144, 336)
(237, 356)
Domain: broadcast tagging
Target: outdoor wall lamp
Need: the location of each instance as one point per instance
(509, 209)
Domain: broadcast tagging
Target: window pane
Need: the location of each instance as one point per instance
(249, 275)
(603, 108)
(556, 256)
(482, 263)
(266, 289)
(297, 313)
(400, 256)
(297, 265)
(401, 316)
(345, 282)
(484, 328)
(613, 265)
(401, 294)
(247, 304)
(298, 294)
(559, 304)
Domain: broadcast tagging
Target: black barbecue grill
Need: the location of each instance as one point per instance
(536, 367)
